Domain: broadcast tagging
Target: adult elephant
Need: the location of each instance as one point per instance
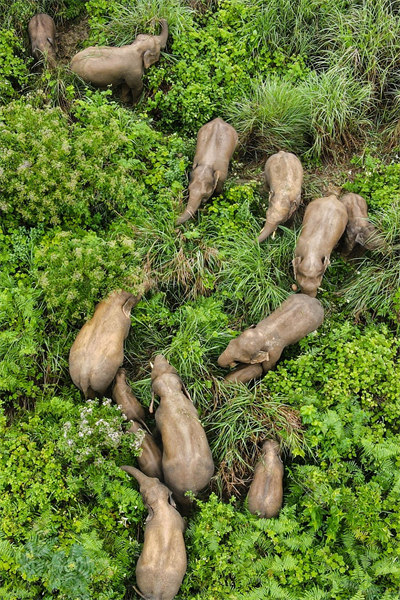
(105, 65)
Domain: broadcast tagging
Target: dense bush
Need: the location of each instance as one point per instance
(61, 173)
(65, 505)
(13, 67)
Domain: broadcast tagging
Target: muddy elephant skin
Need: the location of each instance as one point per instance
(187, 462)
(259, 348)
(162, 564)
(216, 142)
(98, 350)
(266, 491)
(284, 176)
(102, 66)
(42, 35)
(359, 231)
(324, 222)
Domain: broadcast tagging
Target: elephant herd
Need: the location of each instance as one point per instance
(184, 462)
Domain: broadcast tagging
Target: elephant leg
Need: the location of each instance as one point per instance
(136, 86)
(219, 187)
(125, 93)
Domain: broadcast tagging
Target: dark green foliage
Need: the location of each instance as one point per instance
(13, 68)
(21, 338)
(61, 496)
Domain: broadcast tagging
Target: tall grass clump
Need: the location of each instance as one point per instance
(313, 116)
(255, 278)
(295, 26)
(237, 427)
(274, 115)
(339, 108)
(126, 19)
(366, 39)
(375, 285)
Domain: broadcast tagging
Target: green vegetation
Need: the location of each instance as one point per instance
(89, 194)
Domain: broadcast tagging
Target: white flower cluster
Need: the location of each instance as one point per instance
(96, 433)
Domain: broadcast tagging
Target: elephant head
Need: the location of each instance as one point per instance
(164, 378)
(151, 45)
(309, 272)
(203, 181)
(152, 490)
(247, 348)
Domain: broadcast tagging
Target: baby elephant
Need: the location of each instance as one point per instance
(324, 222)
(98, 350)
(162, 564)
(284, 175)
(359, 231)
(216, 142)
(105, 65)
(150, 459)
(187, 462)
(42, 35)
(262, 345)
(266, 491)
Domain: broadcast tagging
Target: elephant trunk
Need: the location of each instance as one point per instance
(164, 33)
(266, 231)
(140, 477)
(224, 360)
(189, 212)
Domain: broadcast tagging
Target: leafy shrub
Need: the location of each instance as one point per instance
(21, 338)
(61, 173)
(76, 272)
(64, 455)
(377, 182)
(13, 69)
(235, 555)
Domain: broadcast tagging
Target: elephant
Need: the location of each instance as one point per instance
(359, 231)
(324, 222)
(162, 564)
(105, 65)
(150, 460)
(265, 495)
(284, 175)
(216, 142)
(187, 462)
(98, 350)
(259, 348)
(42, 35)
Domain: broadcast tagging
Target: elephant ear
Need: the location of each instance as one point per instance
(259, 357)
(149, 58)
